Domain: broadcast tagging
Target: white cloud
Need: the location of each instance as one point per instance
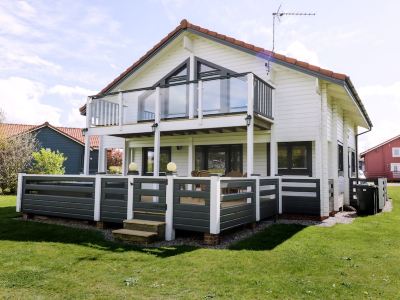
(383, 105)
(74, 97)
(20, 98)
(299, 51)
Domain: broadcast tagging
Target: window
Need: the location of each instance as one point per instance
(396, 152)
(395, 167)
(219, 159)
(295, 158)
(340, 159)
(148, 160)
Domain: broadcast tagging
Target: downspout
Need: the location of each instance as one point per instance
(357, 135)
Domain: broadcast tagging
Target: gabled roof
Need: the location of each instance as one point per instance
(255, 50)
(73, 133)
(380, 145)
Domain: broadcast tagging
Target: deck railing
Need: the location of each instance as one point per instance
(205, 204)
(193, 99)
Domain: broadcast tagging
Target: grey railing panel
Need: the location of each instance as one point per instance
(262, 98)
(269, 198)
(302, 199)
(66, 197)
(191, 204)
(114, 199)
(241, 213)
(149, 201)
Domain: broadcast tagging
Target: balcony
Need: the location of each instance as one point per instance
(200, 99)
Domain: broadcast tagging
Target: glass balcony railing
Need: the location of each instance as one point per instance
(194, 99)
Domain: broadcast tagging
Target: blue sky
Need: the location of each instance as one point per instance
(55, 53)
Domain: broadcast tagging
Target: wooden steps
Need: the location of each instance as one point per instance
(140, 231)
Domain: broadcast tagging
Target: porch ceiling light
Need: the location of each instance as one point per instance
(248, 120)
(154, 127)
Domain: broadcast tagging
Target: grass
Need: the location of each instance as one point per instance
(361, 260)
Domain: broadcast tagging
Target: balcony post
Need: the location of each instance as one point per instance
(215, 204)
(156, 168)
(250, 125)
(200, 100)
(120, 110)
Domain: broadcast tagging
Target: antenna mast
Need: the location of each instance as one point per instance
(277, 16)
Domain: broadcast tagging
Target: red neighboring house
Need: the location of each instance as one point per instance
(383, 160)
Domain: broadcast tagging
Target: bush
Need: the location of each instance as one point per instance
(15, 157)
(48, 162)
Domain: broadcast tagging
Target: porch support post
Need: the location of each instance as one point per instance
(323, 142)
(129, 210)
(157, 133)
(273, 152)
(215, 204)
(280, 195)
(86, 161)
(169, 214)
(97, 198)
(250, 126)
(125, 156)
(346, 160)
(190, 156)
(334, 159)
(101, 161)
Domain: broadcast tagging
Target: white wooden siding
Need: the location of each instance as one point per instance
(340, 125)
(329, 121)
(298, 107)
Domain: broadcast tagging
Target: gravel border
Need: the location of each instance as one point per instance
(226, 240)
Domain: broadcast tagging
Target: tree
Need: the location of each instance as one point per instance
(48, 162)
(15, 157)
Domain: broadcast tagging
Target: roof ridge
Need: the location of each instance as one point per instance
(380, 144)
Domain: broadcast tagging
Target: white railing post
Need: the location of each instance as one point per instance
(97, 198)
(121, 109)
(257, 196)
(250, 126)
(169, 214)
(215, 205)
(280, 195)
(200, 100)
(129, 214)
(19, 192)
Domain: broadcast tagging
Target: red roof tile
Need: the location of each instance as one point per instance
(8, 130)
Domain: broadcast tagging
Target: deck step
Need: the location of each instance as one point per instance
(145, 225)
(136, 236)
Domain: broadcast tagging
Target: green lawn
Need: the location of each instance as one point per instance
(361, 260)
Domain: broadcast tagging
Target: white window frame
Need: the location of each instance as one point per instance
(394, 150)
(393, 165)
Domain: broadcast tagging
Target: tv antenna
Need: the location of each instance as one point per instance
(276, 16)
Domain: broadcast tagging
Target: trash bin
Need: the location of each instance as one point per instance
(367, 199)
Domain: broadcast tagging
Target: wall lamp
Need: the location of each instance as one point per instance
(154, 127)
(84, 131)
(248, 120)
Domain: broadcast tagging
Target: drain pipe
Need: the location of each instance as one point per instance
(357, 135)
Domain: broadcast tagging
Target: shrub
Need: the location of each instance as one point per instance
(48, 162)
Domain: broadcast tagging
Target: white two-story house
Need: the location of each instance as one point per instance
(214, 104)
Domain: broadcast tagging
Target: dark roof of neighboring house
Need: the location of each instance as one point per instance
(72, 133)
(380, 145)
(261, 52)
